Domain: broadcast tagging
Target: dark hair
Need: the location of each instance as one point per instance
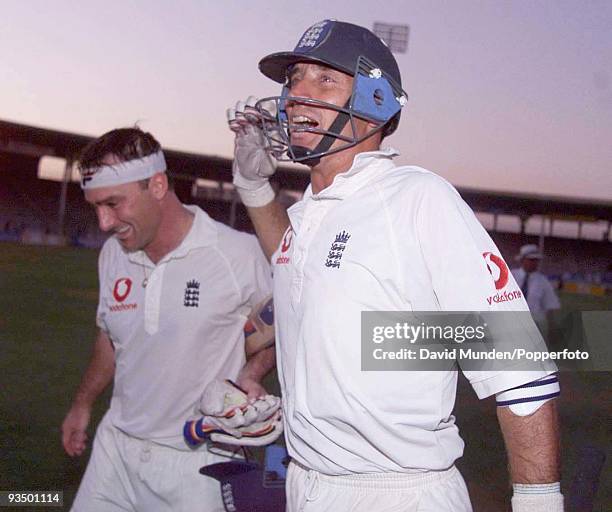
(123, 143)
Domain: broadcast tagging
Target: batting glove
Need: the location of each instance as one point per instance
(253, 165)
(263, 433)
(231, 418)
(229, 406)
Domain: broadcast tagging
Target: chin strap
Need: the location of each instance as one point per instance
(326, 142)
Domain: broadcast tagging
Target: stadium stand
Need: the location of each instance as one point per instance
(30, 212)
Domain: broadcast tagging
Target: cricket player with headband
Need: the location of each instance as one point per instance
(176, 289)
(371, 236)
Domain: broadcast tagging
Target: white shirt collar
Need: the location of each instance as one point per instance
(344, 184)
(347, 182)
(373, 160)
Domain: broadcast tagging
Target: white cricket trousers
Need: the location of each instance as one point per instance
(129, 474)
(434, 491)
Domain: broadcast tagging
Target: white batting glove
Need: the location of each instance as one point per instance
(222, 397)
(253, 165)
(257, 434)
(230, 417)
(226, 406)
(266, 432)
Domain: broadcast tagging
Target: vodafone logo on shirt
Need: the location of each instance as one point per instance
(121, 290)
(283, 258)
(497, 268)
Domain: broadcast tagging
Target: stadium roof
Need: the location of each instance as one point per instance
(34, 141)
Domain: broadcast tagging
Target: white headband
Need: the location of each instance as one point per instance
(123, 172)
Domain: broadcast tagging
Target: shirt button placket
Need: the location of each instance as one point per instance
(311, 221)
(152, 300)
(300, 253)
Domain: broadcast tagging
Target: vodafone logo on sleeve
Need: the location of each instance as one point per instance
(501, 275)
(497, 268)
(283, 258)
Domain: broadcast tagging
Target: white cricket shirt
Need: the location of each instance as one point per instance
(379, 238)
(183, 330)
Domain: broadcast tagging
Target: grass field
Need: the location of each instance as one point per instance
(48, 300)
(48, 303)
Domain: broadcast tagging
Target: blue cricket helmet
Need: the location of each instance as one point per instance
(336, 44)
(377, 90)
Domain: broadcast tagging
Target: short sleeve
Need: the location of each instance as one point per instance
(467, 270)
(253, 273)
(468, 273)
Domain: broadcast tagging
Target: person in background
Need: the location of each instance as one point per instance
(537, 290)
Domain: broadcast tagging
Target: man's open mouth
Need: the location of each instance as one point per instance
(303, 122)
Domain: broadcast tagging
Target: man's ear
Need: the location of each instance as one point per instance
(158, 185)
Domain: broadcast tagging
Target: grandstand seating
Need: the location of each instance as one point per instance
(29, 211)
(562, 255)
